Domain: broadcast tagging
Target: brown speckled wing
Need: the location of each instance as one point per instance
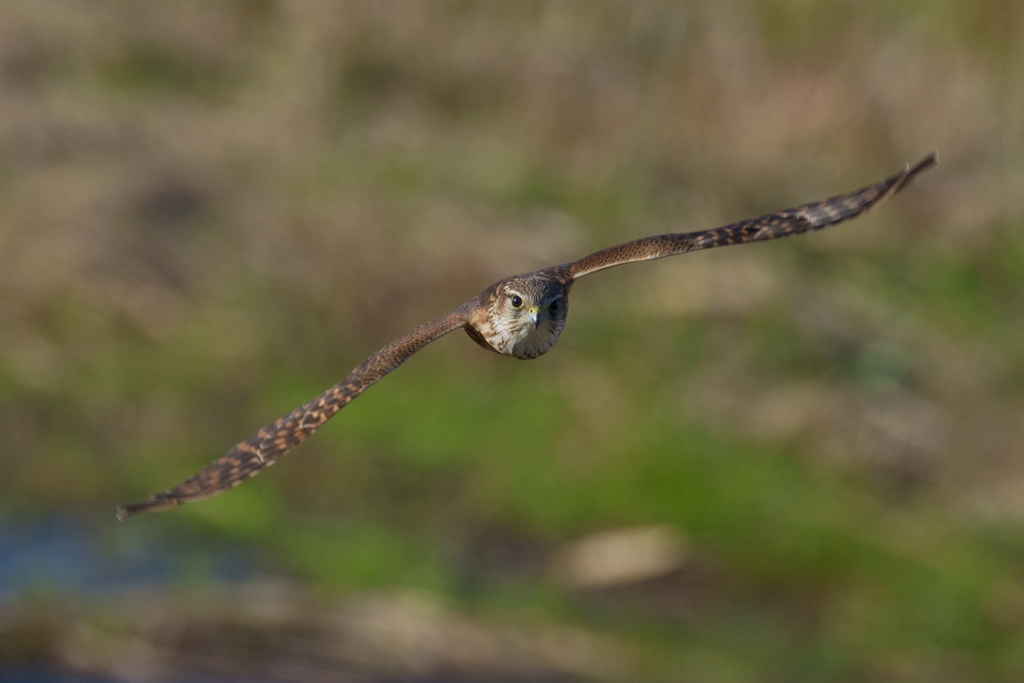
(265, 447)
(783, 223)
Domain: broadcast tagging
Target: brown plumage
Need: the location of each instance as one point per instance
(520, 316)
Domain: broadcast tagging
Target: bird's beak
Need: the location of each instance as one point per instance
(534, 315)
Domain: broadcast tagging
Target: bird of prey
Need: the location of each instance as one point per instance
(520, 316)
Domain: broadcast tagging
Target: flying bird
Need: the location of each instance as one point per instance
(520, 316)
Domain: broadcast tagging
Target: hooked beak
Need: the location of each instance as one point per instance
(535, 316)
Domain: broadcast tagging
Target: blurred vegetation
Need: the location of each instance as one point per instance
(211, 211)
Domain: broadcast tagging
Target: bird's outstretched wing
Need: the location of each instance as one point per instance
(265, 447)
(783, 223)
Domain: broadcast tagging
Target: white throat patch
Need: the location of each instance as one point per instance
(520, 339)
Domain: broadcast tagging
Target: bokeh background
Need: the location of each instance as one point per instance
(795, 461)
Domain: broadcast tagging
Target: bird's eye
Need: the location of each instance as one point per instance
(553, 307)
(517, 301)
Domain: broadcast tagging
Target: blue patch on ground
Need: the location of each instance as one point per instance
(67, 556)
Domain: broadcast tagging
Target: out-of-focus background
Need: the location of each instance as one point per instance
(795, 461)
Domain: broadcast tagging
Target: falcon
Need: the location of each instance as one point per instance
(520, 316)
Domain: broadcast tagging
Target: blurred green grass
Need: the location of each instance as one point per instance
(213, 212)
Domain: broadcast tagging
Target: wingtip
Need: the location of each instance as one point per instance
(899, 181)
(154, 504)
(925, 163)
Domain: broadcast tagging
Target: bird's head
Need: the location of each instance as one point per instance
(525, 315)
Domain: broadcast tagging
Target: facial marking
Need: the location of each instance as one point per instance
(525, 317)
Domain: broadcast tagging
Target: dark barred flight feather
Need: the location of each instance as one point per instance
(520, 316)
(771, 226)
(265, 447)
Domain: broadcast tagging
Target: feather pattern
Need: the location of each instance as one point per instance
(520, 317)
(799, 219)
(261, 450)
